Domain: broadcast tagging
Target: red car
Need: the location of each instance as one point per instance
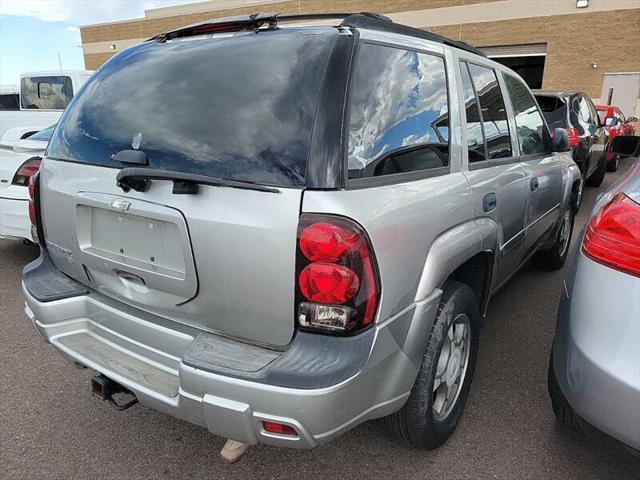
(614, 124)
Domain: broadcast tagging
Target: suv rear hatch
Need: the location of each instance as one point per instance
(237, 109)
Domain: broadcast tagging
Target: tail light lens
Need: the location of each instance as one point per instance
(26, 171)
(337, 283)
(574, 137)
(33, 217)
(612, 237)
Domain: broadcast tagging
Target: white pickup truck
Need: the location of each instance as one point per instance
(43, 98)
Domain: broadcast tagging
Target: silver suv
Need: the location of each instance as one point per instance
(279, 232)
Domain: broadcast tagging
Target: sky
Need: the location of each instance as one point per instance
(34, 32)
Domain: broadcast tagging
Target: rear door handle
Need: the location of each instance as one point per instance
(534, 184)
(489, 202)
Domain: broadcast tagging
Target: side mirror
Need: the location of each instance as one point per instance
(560, 141)
(631, 120)
(625, 146)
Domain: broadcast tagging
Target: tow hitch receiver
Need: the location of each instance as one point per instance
(104, 388)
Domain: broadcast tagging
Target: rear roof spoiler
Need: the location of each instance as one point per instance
(269, 21)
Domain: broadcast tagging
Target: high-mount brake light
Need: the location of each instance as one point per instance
(337, 285)
(26, 171)
(612, 237)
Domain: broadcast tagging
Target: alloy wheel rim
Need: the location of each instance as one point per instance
(451, 368)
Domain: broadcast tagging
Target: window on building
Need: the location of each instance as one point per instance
(399, 115)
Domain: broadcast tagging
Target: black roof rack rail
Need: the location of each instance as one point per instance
(372, 21)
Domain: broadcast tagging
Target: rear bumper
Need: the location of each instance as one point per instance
(230, 387)
(14, 219)
(596, 349)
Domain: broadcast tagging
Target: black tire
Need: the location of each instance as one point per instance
(554, 257)
(415, 424)
(565, 415)
(596, 178)
(612, 166)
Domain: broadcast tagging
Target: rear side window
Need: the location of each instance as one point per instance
(10, 101)
(475, 137)
(533, 134)
(46, 93)
(493, 112)
(239, 107)
(399, 114)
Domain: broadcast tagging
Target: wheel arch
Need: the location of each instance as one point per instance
(465, 253)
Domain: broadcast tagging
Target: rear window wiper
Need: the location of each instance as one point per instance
(139, 179)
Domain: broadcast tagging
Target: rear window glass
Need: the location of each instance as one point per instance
(399, 117)
(43, 135)
(46, 93)
(239, 107)
(554, 110)
(550, 104)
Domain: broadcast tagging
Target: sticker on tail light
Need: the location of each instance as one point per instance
(337, 283)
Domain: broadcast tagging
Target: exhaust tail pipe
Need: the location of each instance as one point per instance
(104, 388)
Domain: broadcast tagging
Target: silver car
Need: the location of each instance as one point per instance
(594, 373)
(279, 232)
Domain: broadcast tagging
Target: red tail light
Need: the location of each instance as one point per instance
(613, 235)
(337, 286)
(26, 171)
(574, 137)
(33, 216)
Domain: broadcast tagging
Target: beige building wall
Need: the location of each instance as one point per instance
(575, 38)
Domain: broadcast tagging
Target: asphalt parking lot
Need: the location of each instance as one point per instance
(52, 428)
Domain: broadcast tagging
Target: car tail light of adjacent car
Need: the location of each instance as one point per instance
(574, 137)
(26, 171)
(612, 237)
(33, 214)
(337, 283)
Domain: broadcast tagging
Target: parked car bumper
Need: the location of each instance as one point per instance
(596, 350)
(14, 218)
(321, 386)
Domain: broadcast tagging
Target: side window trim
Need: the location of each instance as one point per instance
(396, 178)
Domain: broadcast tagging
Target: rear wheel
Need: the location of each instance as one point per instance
(554, 257)
(442, 386)
(596, 178)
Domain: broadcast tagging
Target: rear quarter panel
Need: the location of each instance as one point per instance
(403, 221)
